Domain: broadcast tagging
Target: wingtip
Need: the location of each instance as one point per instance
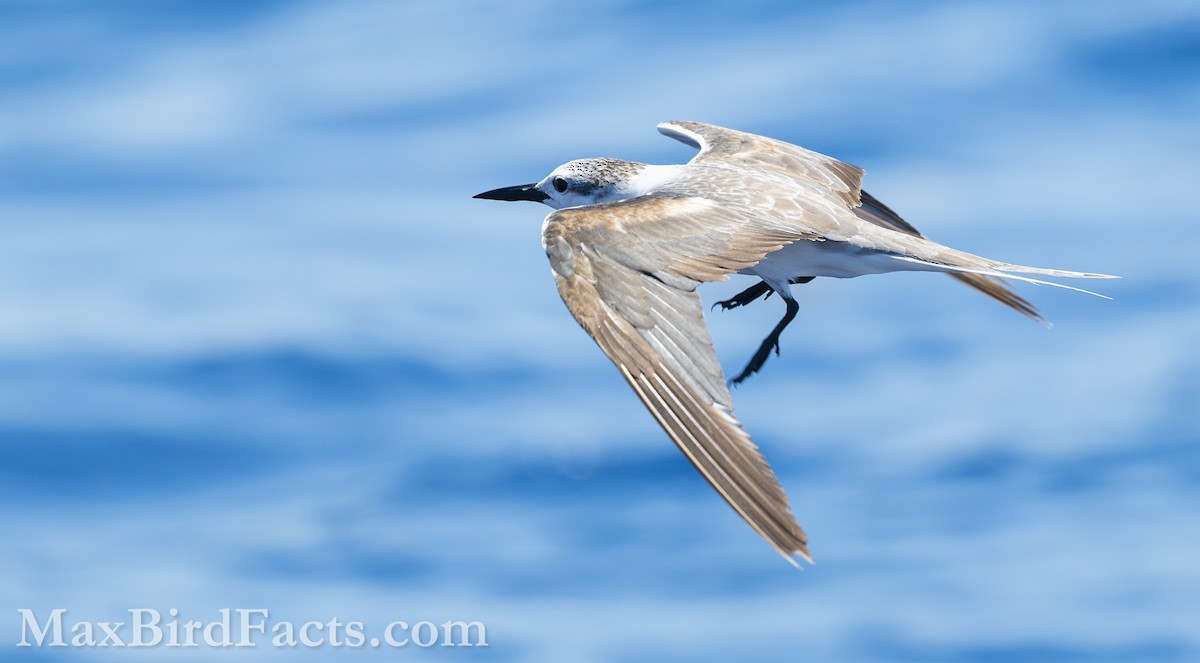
(793, 557)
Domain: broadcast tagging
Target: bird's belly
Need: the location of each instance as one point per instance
(834, 259)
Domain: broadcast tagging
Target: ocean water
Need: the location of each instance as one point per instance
(260, 351)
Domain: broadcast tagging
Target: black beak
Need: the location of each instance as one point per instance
(522, 192)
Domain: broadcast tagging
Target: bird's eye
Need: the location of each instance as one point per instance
(560, 185)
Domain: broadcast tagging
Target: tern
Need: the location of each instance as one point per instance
(629, 243)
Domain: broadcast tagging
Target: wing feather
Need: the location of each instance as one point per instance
(633, 291)
(798, 190)
(718, 144)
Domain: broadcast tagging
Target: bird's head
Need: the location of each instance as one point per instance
(575, 183)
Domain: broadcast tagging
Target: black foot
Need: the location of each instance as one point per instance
(746, 296)
(754, 292)
(770, 343)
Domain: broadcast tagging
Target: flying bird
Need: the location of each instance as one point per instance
(630, 242)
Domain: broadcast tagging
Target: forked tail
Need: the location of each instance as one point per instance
(1005, 271)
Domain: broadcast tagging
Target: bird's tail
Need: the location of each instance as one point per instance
(971, 264)
(998, 290)
(1022, 269)
(986, 276)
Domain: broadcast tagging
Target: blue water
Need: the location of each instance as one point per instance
(260, 349)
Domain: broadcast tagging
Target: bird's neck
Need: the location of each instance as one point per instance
(648, 179)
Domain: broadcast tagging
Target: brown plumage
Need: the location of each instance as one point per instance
(631, 242)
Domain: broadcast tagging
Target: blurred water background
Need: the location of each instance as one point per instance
(260, 349)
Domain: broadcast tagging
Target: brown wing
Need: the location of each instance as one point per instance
(718, 144)
(628, 272)
(737, 147)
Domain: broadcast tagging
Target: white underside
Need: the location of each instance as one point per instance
(832, 259)
(844, 261)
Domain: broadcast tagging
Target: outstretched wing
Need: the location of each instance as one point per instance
(628, 272)
(718, 144)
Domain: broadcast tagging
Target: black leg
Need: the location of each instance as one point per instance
(770, 343)
(746, 296)
(754, 292)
